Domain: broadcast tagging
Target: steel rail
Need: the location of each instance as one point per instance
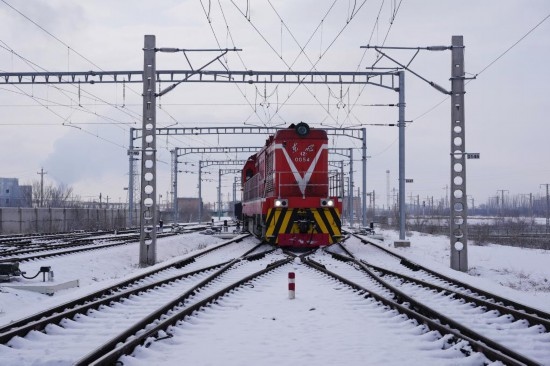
(65, 313)
(533, 319)
(104, 292)
(424, 315)
(39, 247)
(503, 309)
(111, 351)
(416, 267)
(71, 251)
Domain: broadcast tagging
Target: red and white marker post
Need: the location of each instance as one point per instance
(291, 285)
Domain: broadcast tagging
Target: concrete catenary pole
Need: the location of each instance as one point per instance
(402, 214)
(148, 204)
(364, 159)
(131, 179)
(200, 191)
(350, 195)
(547, 208)
(459, 203)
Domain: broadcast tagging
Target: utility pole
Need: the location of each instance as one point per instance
(531, 205)
(446, 188)
(502, 201)
(547, 208)
(358, 200)
(388, 190)
(41, 173)
(373, 205)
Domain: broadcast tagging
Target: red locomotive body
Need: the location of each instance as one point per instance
(286, 189)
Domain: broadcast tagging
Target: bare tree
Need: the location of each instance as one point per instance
(52, 196)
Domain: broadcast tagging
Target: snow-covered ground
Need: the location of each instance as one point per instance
(520, 274)
(267, 328)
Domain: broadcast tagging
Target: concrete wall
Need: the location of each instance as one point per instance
(15, 220)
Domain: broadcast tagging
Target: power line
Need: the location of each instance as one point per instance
(314, 64)
(60, 41)
(514, 45)
(64, 92)
(50, 34)
(488, 65)
(207, 14)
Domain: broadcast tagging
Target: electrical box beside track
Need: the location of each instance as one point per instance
(9, 270)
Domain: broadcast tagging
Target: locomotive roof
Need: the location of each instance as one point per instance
(299, 131)
(290, 133)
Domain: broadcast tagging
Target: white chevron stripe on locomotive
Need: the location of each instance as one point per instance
(302, 181)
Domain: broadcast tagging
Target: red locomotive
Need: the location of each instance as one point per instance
(286, 198)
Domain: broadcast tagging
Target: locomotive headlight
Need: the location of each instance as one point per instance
(302, 129)
(327, 202)
(281, 202)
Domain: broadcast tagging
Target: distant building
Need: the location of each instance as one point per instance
(14, 195)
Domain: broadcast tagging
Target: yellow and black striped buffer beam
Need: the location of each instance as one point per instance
(283, 221)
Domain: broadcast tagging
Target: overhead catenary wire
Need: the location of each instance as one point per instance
(490, 64)
(69, 48)
(314, 64)
(375, 26)
(61, 90)
(77, 106)
(230, 35)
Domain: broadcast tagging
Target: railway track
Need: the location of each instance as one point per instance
(71, 248)
(131, 303)
(391, 262)
(484, 317)
(161, 309)
(19, 244)
(68, 243)
(7, 241)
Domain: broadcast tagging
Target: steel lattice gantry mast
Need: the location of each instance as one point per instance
(181, 151)
(207, 163)
(174, 183)
(220, 173)
(348, 153)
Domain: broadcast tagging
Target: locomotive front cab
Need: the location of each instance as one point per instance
(287, 201)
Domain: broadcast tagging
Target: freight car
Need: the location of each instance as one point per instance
(290, 197)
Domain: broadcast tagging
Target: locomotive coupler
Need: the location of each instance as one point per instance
(303, 225)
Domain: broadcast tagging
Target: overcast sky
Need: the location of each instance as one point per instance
(80, 135)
